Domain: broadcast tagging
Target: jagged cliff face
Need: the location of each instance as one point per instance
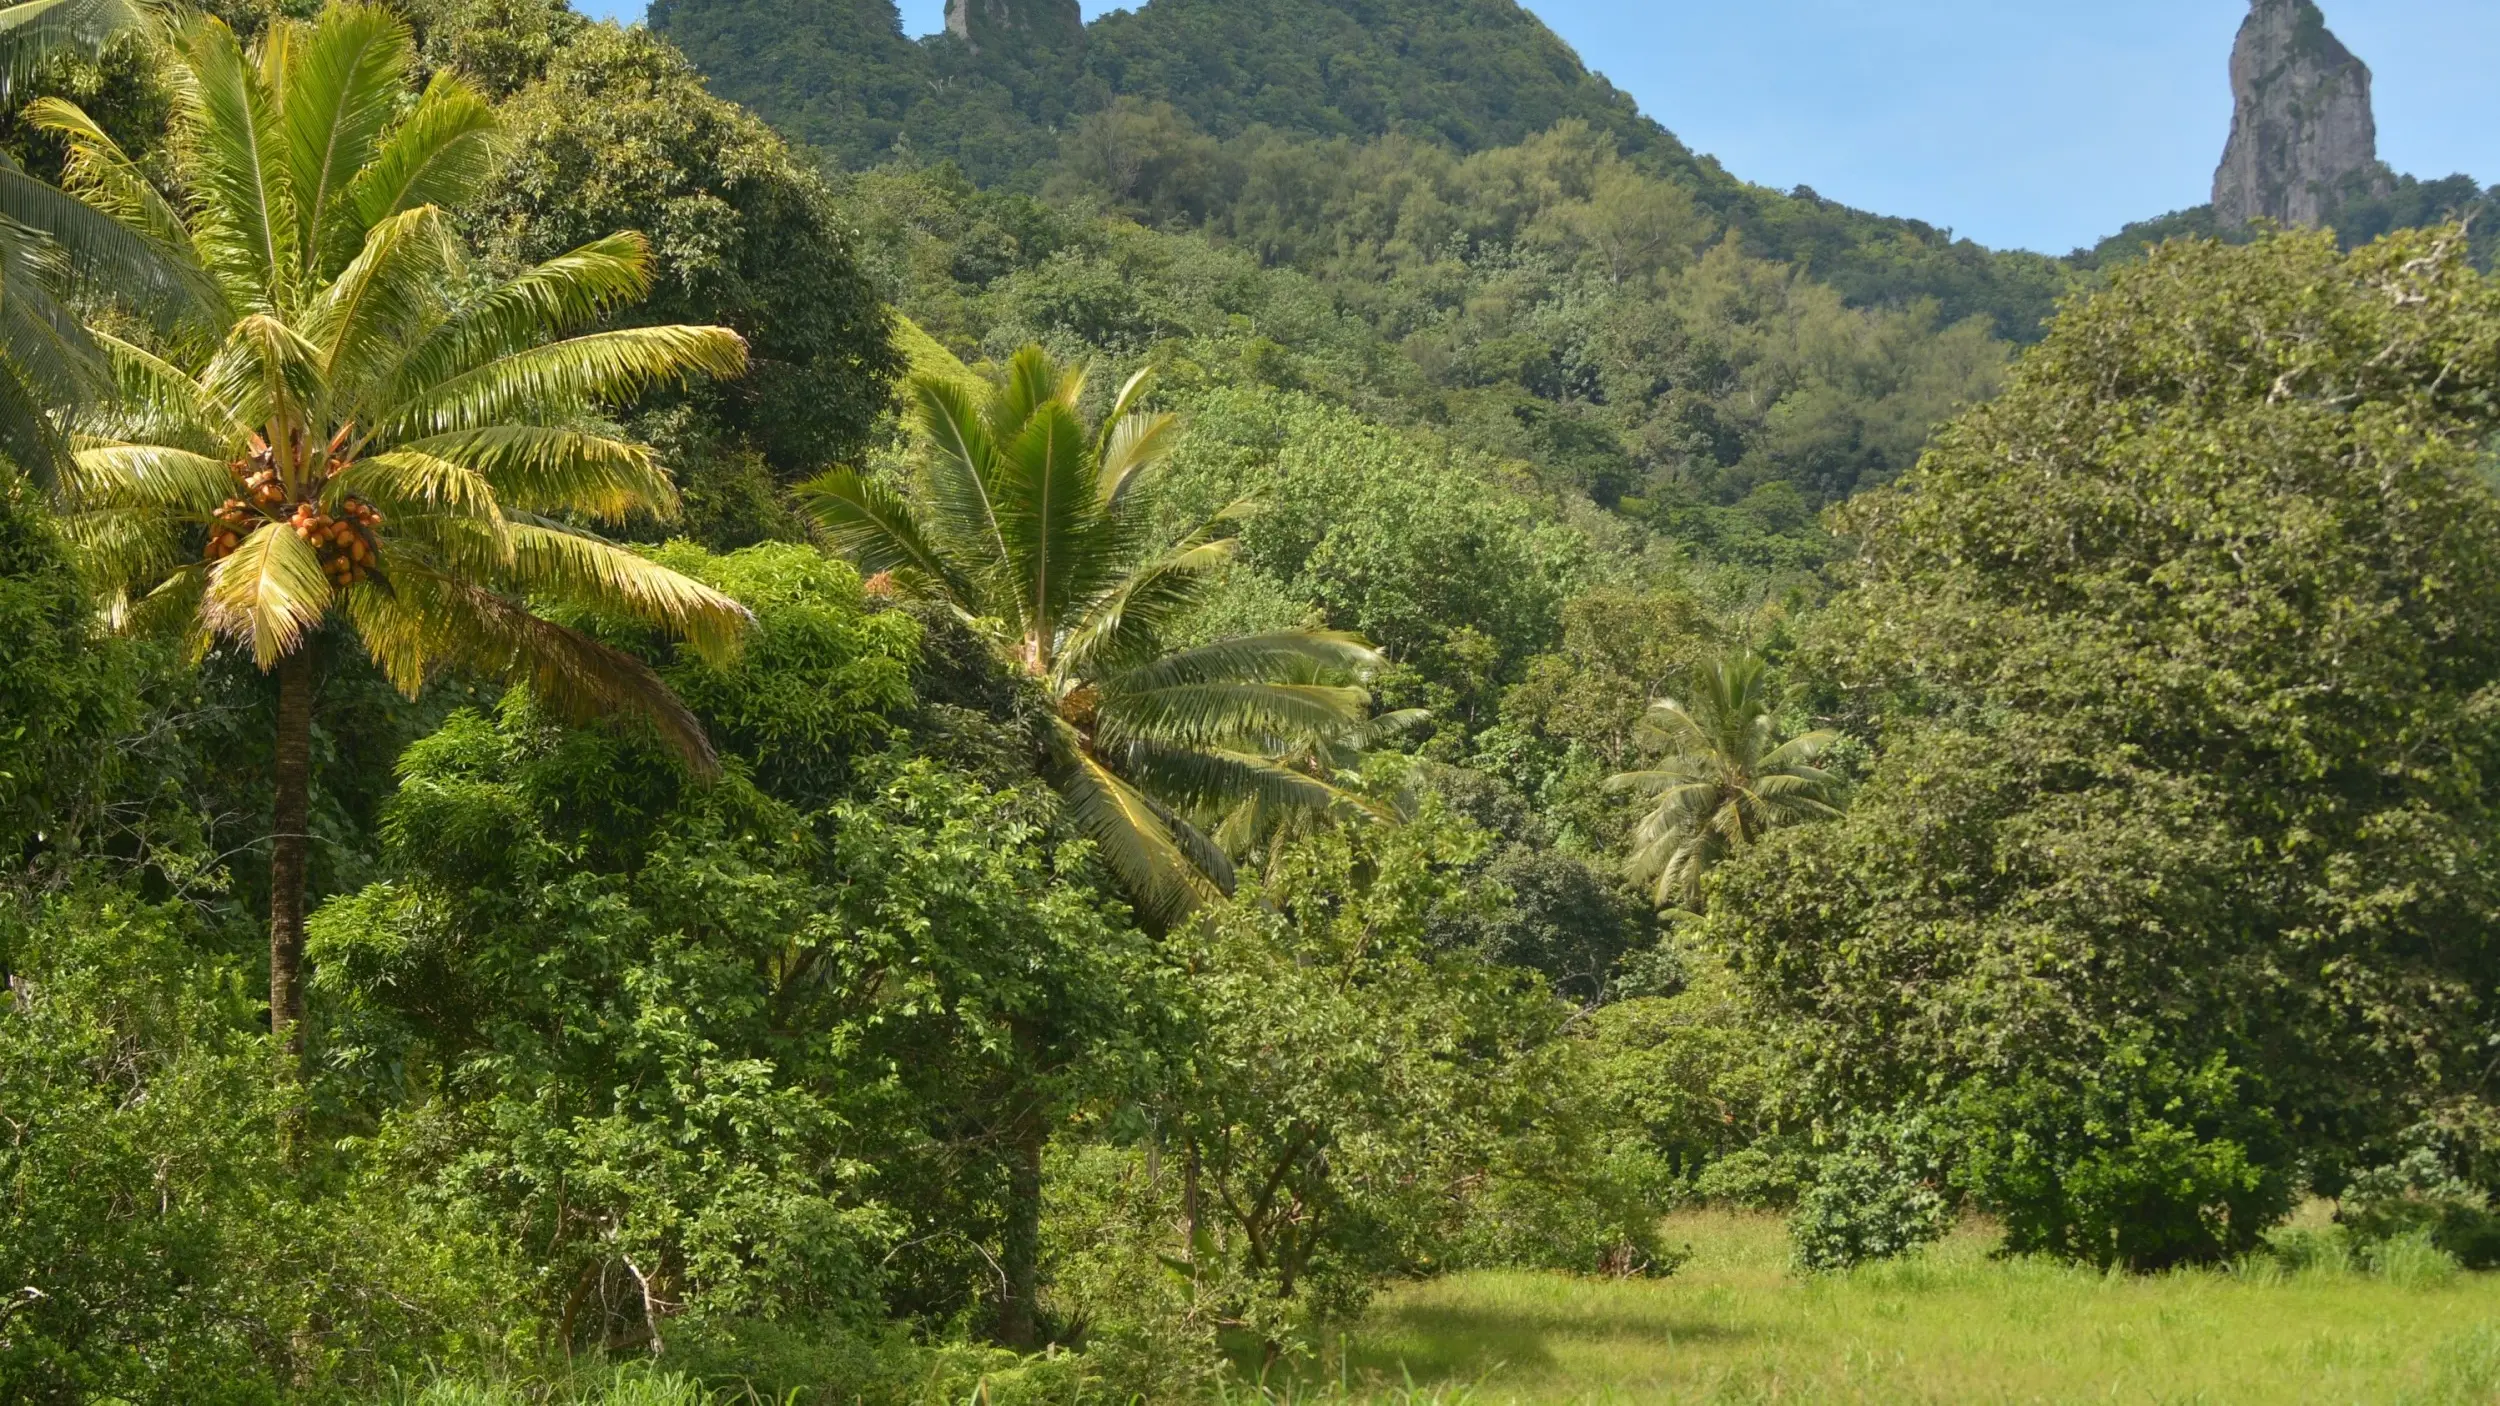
(2303, 136)
(978, 21)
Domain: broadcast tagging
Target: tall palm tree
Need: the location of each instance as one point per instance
(1038, 528)
(348, 426)
(1725, 778)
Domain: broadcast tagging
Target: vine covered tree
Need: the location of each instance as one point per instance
(1027, 521)
(1725, 778)
(346, 423)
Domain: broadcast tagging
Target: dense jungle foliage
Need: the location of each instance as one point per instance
(888, 782)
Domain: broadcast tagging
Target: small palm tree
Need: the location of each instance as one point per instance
(1725, 779)
(1038, 528)
(346, 424)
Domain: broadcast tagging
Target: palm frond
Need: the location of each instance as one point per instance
(874, 527)
(1033, 381)
(1798, 751)
(1217, 713)
(171, 607)
(147, 268)
(1132, 396)
(440, 154)
(34, 30)
(578, 372)
(955, 480)
(126, 548)
(235, 155)
(264, 368)
(579, 568)
(269, 594)
(1292, 654)
(47, 343)
(465, 541)
(383, 300)
(428, 621)
(570, 291)
(1127, 623)
(342, 85)
(1060, 551)
(157, 401)
(150, 476)
(1135, 838)
(48, 361)
(104, 178)
(535, 469)
(1212, 778)
(29, 435)
(410, 480)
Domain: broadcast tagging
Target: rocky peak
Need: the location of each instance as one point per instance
(2303, 135)
(1049, 21)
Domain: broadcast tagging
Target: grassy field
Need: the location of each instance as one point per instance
(1951, 1326)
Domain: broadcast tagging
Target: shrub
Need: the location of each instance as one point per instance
(61, 688)
(2135, 1161)
(1875, 1199)
(2419, 1195)
(155, 1242)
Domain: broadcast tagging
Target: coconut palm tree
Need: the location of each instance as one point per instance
(347, 427)
(1038, 528)
(1725, 779)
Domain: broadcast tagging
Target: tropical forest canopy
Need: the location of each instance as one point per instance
(1023, 725)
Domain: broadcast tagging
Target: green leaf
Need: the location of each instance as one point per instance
(342, 86)
(439, 155)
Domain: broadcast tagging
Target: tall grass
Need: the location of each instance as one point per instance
(2399, 1323)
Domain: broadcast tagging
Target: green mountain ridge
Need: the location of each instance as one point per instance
(841, 77)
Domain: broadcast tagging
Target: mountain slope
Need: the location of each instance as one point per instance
(997, 98)
(1474, 73)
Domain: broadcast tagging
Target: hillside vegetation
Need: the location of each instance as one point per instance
(1316, 731)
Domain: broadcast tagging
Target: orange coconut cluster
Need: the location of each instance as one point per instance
(345, 542)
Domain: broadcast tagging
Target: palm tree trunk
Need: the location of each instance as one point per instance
(289, 852)
(1022, 1250)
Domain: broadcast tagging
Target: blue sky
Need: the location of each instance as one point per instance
(2040, 124)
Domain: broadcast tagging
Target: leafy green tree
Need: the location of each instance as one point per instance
(1024, 518)
(788, 1044)
(604, 129)
(2172, 884)
(146, 1204)
(1725, 779)
(350, 425)
(61, 695)
(1357, 1104)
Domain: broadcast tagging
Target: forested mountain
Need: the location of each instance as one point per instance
(996, 94)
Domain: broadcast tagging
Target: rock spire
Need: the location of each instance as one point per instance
(2303, 136)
